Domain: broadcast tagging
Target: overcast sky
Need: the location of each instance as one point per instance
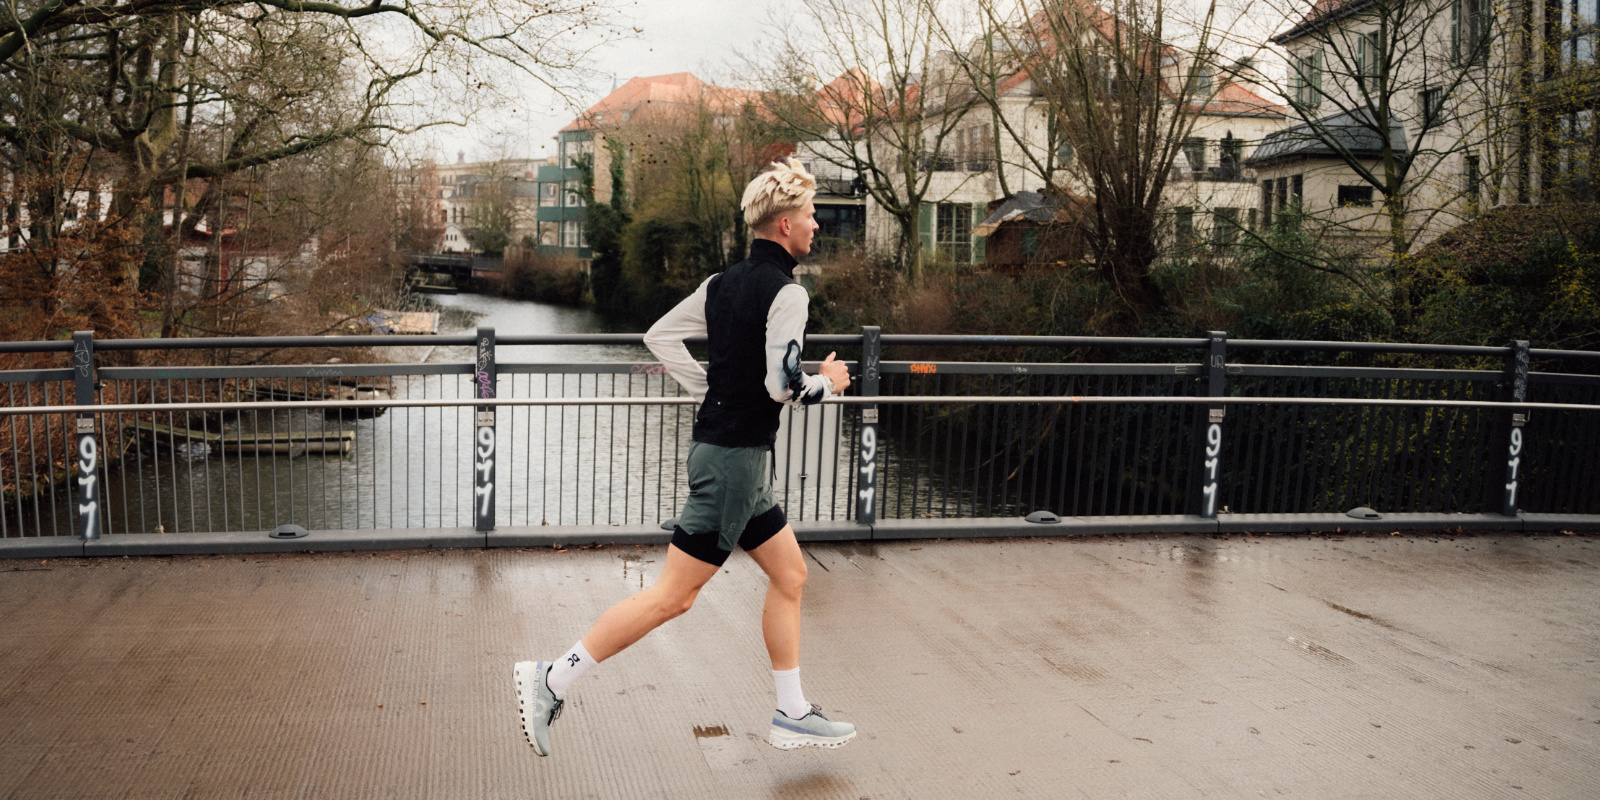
(698, 36)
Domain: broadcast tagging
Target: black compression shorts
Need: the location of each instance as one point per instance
(757, 531)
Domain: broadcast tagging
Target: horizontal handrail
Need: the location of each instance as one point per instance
(462, 339)
(272, 405)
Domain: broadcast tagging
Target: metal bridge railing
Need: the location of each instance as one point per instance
(92, 449)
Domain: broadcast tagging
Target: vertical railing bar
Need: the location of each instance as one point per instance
(16, 455)
(1049, 420)
(921, 471)
(255, 433)
(561, 463)
(544, 453)
(105, 467)
(805, 434)
(594, 455)
(50, 458)
(949, 449)
(122, 450)
(33, 460)
(661, 444)
(1064, 387)
(1111, 447)
(845, 418)
(1160, 447)
(1136, 424)
(527, 469)
(788, 457)
(222, 455)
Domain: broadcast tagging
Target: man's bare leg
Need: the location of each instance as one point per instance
(673, 593)
(785, 565)
(796, 723)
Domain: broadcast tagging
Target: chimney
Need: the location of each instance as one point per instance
(1245, 73)
(461, 156)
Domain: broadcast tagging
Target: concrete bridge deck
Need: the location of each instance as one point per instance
(1409, 666)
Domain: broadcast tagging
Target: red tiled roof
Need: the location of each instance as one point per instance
(1234, 98)
(676, 89)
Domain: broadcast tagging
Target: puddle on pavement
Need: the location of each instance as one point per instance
(636, 562)
(721, 750)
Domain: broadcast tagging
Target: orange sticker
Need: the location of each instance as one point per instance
(924, 369)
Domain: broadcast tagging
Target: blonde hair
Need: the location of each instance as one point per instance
(785, 186)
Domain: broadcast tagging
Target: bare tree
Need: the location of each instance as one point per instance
(1409, 98)
(170, 92)
(883, 114)
(1118, 101)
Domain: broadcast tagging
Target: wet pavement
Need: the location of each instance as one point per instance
(1305, 666)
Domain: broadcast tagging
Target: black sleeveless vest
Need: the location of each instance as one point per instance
(738, 411)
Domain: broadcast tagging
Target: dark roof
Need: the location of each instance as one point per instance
(1323, 13)
(1024, 205)
(1315, 139)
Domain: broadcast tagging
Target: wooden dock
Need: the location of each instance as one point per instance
(292, 442)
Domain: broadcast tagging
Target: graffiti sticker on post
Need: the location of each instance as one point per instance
(484, 375)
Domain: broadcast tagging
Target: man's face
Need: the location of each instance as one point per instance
(802, 227)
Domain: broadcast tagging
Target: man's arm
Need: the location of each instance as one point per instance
(786, 328)
(665, 340)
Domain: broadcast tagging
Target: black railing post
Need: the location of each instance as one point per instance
(88, 450)
(483, 376)
(1509, 428)
(867, 486)
(1216, 372)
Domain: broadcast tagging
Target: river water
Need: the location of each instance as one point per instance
(414, 467)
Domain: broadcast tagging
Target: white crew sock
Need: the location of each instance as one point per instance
(569, 667)
(791, 701)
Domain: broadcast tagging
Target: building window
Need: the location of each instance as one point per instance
(953, 234)
(1184, 220)
(1360, 196)
(1297, 188)
(1469, 30)
(1369, 59)
(1577, 152)
(1194, 149)
(1432, 106)
(1266, 203)
(1030, 242)
(1224, 229)
(1307, 83)
(1251, 220)
(571, 233)
(1578, 18)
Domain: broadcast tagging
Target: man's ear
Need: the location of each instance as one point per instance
(783, 226)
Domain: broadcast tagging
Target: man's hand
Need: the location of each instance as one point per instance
(835, 371)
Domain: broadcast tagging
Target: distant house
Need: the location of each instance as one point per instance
(1210, 195)
(1029, 230)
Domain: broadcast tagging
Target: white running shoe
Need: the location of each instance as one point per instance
(811, 730)
(537, 705)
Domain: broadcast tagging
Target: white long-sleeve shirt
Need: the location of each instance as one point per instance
(785, 381)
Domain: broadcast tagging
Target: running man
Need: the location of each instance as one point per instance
(754, 316)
